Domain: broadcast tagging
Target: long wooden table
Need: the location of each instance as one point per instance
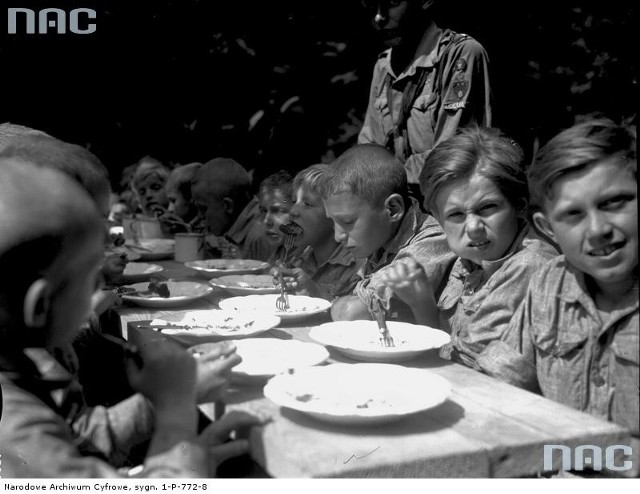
(486, 429)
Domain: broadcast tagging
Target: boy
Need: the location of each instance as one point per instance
(60, 240)
(181, 211)
(51, 241)
(220, 191)
(428, 82)
(274, 196)
(365, 194)
(324, 267)
(575, 336)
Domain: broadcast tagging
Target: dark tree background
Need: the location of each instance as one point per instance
(284, 83)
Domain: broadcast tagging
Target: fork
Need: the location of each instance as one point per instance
(282, 304)
(385, 337)
(288, 245)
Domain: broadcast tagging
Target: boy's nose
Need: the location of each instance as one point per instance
(473, 226)
(599, 225)
(339, 234)
(381, 17)
(268, 220)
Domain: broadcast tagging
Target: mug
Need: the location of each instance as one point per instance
(140, 227)
(189, 247)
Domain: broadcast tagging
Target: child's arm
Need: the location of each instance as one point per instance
(410, 284)
(168, 380)
(299, 281)
(213, 371)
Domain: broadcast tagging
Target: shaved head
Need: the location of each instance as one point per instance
(43, 215)
(220, 191)
(223, 177)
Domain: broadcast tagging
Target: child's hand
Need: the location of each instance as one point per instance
(168, 375)
(213, 370)
(295, 280)
(216, 440)
(172, 223)
(408, 281)
(113, 267)
(103, 300)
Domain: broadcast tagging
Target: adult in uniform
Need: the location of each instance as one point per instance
(426, 84)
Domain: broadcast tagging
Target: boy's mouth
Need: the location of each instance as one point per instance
(480, 244)
(607, 250)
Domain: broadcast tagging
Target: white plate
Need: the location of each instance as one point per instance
(219, 267)
(263, 358)
(358, 393)
(139, 271)
(181, 293)
(361, 339)
(300, 306)
(246, 284)
(217, 325)
(152, 249)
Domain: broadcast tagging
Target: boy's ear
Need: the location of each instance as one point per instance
(36, 304)
(394, 205)
(228, 205)
(542, 224)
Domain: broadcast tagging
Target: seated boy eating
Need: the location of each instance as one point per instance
(365, 194)
(221, 192)
(181, 210)
(475, 185)
(274, 196)
(575, 336)
(323, 267)
(51, 244)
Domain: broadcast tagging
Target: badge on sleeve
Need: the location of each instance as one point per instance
(461, 65)
(456, 97)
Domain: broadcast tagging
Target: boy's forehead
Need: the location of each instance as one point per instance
(621, 174)
(345, 202)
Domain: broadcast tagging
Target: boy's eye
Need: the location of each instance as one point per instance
(571, 215)
(141, 192)
(455, 216)
(488, 208)
(615, 203)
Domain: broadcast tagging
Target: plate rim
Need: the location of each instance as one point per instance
(320, 349)
(283, 316)
(361, 415)
(133, 298)
(395, 351)
(263, 265)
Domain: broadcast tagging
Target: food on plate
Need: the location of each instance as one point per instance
(155, 288)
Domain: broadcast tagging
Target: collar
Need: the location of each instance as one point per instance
(409, 228)
(340, 256)
(575, 290)
(38, 367)
(425, 58)
(490, 267)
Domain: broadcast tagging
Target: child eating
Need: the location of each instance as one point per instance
(475, 186)
(323, 267)
(365, 194)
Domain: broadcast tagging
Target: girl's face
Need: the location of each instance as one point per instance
(479, 222)
(151, 194)
(308, 212)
